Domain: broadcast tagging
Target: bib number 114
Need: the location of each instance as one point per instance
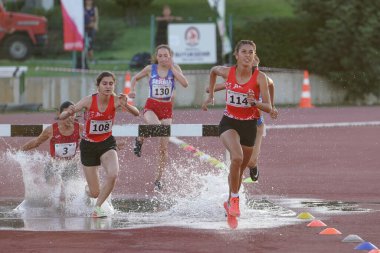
(237, 99)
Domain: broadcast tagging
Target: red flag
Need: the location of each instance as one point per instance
(73, 25)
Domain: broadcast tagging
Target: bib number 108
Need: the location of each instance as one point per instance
(100, 127)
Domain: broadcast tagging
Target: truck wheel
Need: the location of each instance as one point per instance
(18, 47)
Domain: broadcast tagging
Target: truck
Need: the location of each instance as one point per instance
(21, 34)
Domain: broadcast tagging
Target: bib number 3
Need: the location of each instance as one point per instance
(65, 149)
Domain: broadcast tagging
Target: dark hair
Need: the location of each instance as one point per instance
(65, 105)
(104, 74)
(247, 42)
(244, 42)
(154, 56)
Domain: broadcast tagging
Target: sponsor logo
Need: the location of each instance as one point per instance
(192, 36)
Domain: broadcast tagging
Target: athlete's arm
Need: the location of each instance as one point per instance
(273, 112)
(122, 101)
(218, 87)
(221, 71)
(143, 73)
(177, 72)
(46, 134)
(265, 105)
(80, 129)
(132, 110)
(84, 103)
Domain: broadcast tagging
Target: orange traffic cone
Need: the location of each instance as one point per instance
(127, 86)
(305, 101)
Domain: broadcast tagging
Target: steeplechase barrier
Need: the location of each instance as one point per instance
(174, 130)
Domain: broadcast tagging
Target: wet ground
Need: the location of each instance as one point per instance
(331, 172)
(267, 212)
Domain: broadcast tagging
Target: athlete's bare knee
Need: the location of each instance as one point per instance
(112, 176)
(236, 161)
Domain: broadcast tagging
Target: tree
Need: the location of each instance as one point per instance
(131, 8)
(347, 43)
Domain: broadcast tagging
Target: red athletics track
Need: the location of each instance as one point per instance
(340, 163)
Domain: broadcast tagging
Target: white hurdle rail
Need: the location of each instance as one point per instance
(130, 130)
(174, 130)
(12, 71)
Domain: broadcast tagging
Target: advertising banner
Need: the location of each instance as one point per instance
(193, 43)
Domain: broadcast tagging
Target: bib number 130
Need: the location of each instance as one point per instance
(237, 99)
(161, 91)
(100, 126)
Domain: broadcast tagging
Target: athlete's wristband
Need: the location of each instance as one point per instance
(253, 103)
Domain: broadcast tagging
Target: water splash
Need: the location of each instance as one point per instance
(52, 188)
(192, 197)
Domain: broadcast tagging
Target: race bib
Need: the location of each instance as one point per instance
(237, 99)
(161, 91)
(65, 149)
(100, 126)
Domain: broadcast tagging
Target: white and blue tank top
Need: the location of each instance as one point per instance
(161, 88)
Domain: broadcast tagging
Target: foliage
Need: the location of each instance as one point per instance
(346, 46)
(125, 4)
(280, 42)
(132, 9)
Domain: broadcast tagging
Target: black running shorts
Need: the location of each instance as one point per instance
(245, 128)
(90, 152)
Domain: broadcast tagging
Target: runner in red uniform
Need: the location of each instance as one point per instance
(98, 146)
(253, 162)
(237, 129)
(64, 137)
(159, 106)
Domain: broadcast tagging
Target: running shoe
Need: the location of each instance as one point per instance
(158, 185)
(231, 220)
(98, 213)
(137, 148)
(233, 208)
(254, 173)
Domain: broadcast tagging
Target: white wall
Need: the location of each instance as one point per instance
(52, 91)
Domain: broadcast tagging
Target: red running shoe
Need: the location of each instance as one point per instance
(231, 220)
(233, 208)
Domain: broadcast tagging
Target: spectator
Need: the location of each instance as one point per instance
(162, 25)
(91, 25)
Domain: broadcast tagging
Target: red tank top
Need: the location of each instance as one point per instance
(237, 106)
(62, 146)
(98, 125)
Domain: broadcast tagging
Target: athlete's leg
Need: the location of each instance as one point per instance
(256, 149)
(110, 163)
(247, 154)
(92, 177)
(239, 156)
(253, 161)
(163, 151)
(150, 118)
